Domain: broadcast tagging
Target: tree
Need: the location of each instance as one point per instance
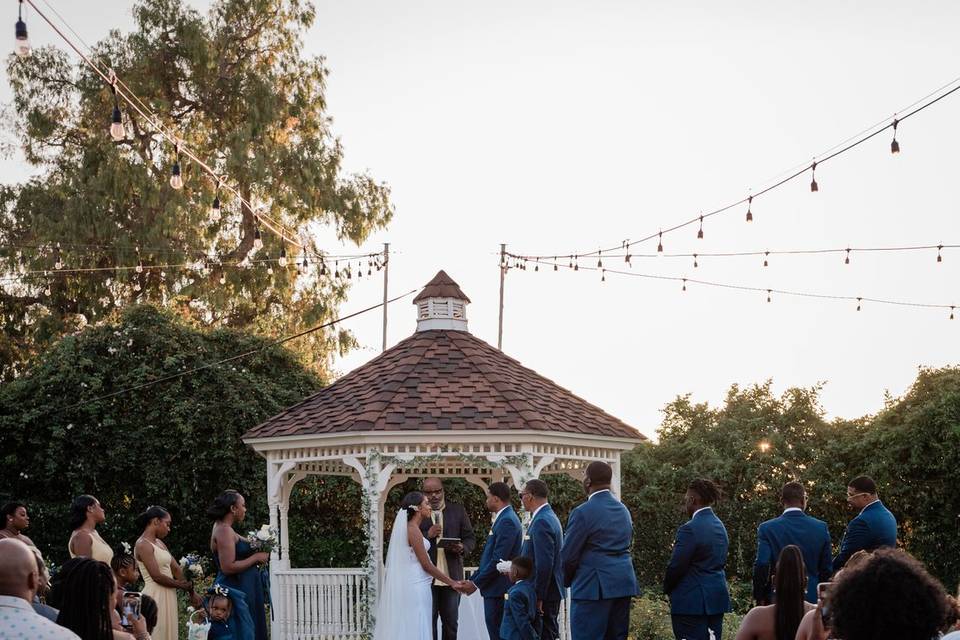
(176, 444)
(235, 87)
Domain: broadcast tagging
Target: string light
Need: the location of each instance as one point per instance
(894, 145)
(215, 207)
(813, 177)
(282, 260)
(223, 277)
(257, 240)
(176, 180)
(951, 313)
(700, 232)
(660, 245)
(116, 121)
(684, 284)
(749, 207)
(939, 256)
(766, 255)
(859, 300)
(22, 42)
(847, 259)
(695, 265)
(58, 261)
(768, 295)
(600, 259)
(603, 275)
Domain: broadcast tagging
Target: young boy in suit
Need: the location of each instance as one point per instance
(520, 606)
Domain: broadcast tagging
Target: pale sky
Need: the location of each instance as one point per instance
(567, 126)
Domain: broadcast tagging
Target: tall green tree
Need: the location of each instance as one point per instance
(235, 86)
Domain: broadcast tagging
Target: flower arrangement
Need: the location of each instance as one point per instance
(192, 566)
(263, 539)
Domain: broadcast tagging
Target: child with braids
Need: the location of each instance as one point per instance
(127, 574)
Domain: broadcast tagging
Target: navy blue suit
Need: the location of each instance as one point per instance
(695, 579)
(873, 528)
(598, 568)
(503, 543)
(797, 528)
(542, 544)
(519, 613)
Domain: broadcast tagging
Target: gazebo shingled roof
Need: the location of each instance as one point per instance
(442, 286)
(443, 380)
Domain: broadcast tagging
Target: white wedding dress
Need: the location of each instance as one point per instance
(405, 610)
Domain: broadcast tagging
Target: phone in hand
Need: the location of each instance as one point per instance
(131, 607)
(824, 604)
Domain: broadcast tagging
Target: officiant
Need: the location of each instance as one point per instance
(451, 538)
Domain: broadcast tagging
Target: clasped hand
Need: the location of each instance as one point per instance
(465, 587)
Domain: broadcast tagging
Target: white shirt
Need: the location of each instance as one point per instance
(497, 515)
(869, 505)
(598, 492)
(18, 621)
(537, 510)
(788, 509)
(698, 511)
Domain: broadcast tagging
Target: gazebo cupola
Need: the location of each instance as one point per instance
(441, 305)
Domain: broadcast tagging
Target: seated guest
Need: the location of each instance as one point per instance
(780, 621)
(86, 594)
(19, 581)
(520, 606)
(15, 520)
(873, 528)
(40, 597)
(811, 627)
(889, 596)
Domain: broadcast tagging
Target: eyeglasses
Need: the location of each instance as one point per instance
(433, 493)
(854, 495)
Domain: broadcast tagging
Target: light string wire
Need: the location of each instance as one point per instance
(835, 151)
(232, 358)
(849, 250)
(768, 290)
(123, 91)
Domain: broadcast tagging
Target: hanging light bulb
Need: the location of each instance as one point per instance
(951, 313)
(859, 300)
(176, 180)
(369, 271)
(215, 208)
(46, 291)
(555, 267)
(282, 260)
(570, 266)
(684, 284)
(257, 239)
(305, 263)
(749, 207)
(603, 275)
(323, 267)
(894, 145)
(766, 254)
(660, 245)
(814, 187)
(600, 258)
(847, 259)
(139, 267)
(22, 42)
(223, 277)
(768, 295)
(939, 256)
(23, 259)
(576, 263)
(695, 265)
(116, 121)
(700, 232)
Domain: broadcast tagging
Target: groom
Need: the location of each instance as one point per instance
(503, 543)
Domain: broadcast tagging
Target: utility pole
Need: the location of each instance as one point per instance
(503, 274)
(386, 271)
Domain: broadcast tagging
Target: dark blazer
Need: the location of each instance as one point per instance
(519, 613)
(503, 543)
(595, 557)
(695, 578)
(797, 528)
(456, 524)
(873, 528)
(542, 544)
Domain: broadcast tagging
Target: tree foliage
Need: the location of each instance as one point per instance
(176, 444)
(235, 86)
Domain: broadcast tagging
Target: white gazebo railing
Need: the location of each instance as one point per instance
(319, 604)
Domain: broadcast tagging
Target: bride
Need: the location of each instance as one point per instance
(405, 611)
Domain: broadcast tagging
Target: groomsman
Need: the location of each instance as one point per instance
(695, 578)
(542, 545)
(874, 526)
(596, 561)
(503, 543)
(448, 520)
(796, 528)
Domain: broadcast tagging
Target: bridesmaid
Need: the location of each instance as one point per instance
(85, 514)
(162, 576)
(235, 559)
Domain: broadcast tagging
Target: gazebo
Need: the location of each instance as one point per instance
(439, 403)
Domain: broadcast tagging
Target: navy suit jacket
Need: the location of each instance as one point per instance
(797, 528)
(695, 578)
(873, 528)
(503, 543)
(542, 544)
(519, 613)
(595, 556)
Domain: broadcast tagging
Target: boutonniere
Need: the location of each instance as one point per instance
(526, 537)
(506, 596)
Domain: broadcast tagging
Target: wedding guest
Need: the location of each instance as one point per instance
(503, 543)
(43, 590)
(542, 545)
(695, 579)
(811, 627)
(19, 581)
(234, 557)
(520, 603)
(447, 520)
(127, 575)
(873, 528)
(780, 621)
(15, 521)
(596, 563)
(162, 575)
(889, 596)
(219, 608)
(85, 592)
(85, 514)
(793, 527)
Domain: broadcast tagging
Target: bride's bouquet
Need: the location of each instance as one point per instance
(264, 539)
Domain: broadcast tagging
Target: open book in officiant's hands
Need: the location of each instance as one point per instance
(445, 543)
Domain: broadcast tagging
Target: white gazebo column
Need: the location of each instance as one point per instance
(615, 482)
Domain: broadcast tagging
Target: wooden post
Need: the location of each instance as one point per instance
(503, 274)
(386, 270)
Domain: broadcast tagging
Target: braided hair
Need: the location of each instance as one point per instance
(83, 591)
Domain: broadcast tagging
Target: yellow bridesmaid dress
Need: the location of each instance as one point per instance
(167, 623)
(99, 550)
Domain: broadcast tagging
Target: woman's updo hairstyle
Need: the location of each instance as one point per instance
(78, 510)
(147, 516)
(221, 505)
(411, 502)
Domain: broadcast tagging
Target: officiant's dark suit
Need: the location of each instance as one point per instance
(455, 523)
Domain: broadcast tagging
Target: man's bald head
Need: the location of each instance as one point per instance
(18, 570)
